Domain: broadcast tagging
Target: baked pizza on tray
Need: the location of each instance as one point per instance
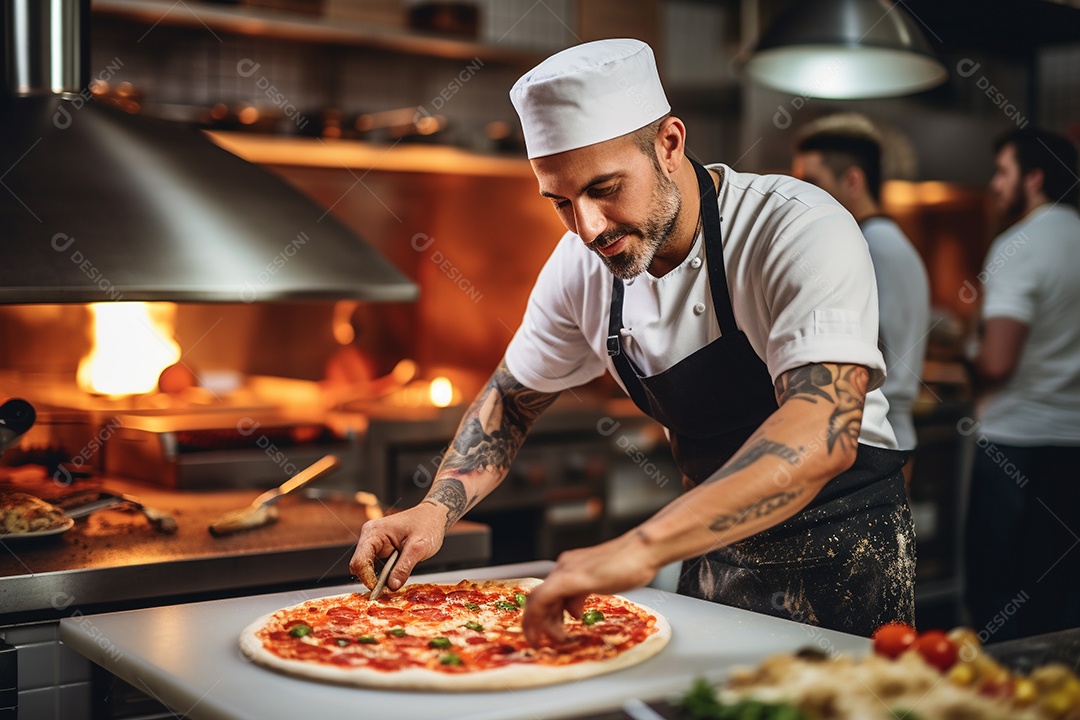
(445, 637)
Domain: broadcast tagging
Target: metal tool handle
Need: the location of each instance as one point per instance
(312, 472)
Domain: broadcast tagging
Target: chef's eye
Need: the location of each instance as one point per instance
(560, 203)
(604, 191)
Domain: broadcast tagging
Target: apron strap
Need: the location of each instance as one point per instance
(627, 372)
(714, 255)
(714, 251)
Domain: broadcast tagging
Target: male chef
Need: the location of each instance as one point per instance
(841, 154)
(1022, 567)
(739, 311)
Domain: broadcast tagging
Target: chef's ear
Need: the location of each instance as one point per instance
(1033, 180)
(671, 143)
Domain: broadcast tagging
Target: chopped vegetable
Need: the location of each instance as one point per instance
(591, 617)
(298, 631)
(906, 714)
(472, 606)
(450, 659)
(503, 605)
(701, 703)
(396, 632)
(342, 642)
(439, 643)
(474, 626)
(367, 640)
(519, 598)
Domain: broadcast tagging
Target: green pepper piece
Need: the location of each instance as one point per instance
(342, 642)
(503, 605)
(299, 631)
(519, 598)
(439, 643)
(367, 640)
(474, 626)
(396, 632)
(472, 606)
(591, 617)
(450, 659)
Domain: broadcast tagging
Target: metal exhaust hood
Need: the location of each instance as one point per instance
(99, 205)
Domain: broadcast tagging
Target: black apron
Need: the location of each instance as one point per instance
(847, 560)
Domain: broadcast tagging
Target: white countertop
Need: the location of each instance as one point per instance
(187, 657)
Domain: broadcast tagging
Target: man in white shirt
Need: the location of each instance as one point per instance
(738, 310)
(1022, 563)
(845, 161)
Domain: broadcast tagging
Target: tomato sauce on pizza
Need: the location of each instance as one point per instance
(448, 631)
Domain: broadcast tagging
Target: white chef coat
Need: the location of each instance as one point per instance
(1032, 274)
(800, 279)
(903, 322)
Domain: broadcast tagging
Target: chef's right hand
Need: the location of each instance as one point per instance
(417, 533)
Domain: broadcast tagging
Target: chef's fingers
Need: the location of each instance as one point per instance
(543, 619)
(576, 605)
(370, 544)
(361, 564)
(416, 547)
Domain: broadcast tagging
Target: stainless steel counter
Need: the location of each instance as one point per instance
(187, 656)
(115, 559)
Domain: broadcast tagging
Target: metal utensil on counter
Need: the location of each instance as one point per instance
(160, 521)
(263, 511)
(372, 506)
(380, 584)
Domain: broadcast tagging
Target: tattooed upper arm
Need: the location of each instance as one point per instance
(843, 386)
(496, 423)
(488, 439)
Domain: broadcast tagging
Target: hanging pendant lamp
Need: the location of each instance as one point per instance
(846, 49)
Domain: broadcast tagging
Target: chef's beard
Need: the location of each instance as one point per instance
(1012, 211)
(655, 234)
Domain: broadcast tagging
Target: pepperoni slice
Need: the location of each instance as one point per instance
(387, 612)
(430, 614)
(426, 597)
(343, 613)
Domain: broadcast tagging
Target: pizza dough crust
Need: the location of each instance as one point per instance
(514, 677)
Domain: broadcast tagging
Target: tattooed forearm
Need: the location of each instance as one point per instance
(450, 493)
(751, 454)
(762, 508)
(495, 425)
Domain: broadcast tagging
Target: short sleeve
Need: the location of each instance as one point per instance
(1010, 287)
(820, 289)
(549, 352)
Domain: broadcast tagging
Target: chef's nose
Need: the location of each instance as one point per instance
(590, 220)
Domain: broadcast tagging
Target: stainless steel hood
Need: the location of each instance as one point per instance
(99, 205)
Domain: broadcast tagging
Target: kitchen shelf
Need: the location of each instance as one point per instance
(303, 28)
(357, 155)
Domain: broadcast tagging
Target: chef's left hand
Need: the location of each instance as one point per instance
(617, 565)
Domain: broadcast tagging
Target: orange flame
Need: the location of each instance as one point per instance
(132, 344)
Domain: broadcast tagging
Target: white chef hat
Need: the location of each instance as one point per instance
(587, 94)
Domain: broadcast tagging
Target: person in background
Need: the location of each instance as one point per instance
(1023, 525)
(842, 155)
(739, 311)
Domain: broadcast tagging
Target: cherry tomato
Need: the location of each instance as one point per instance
(892, 639)
(936, 649)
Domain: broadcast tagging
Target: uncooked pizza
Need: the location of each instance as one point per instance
(440, 637)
